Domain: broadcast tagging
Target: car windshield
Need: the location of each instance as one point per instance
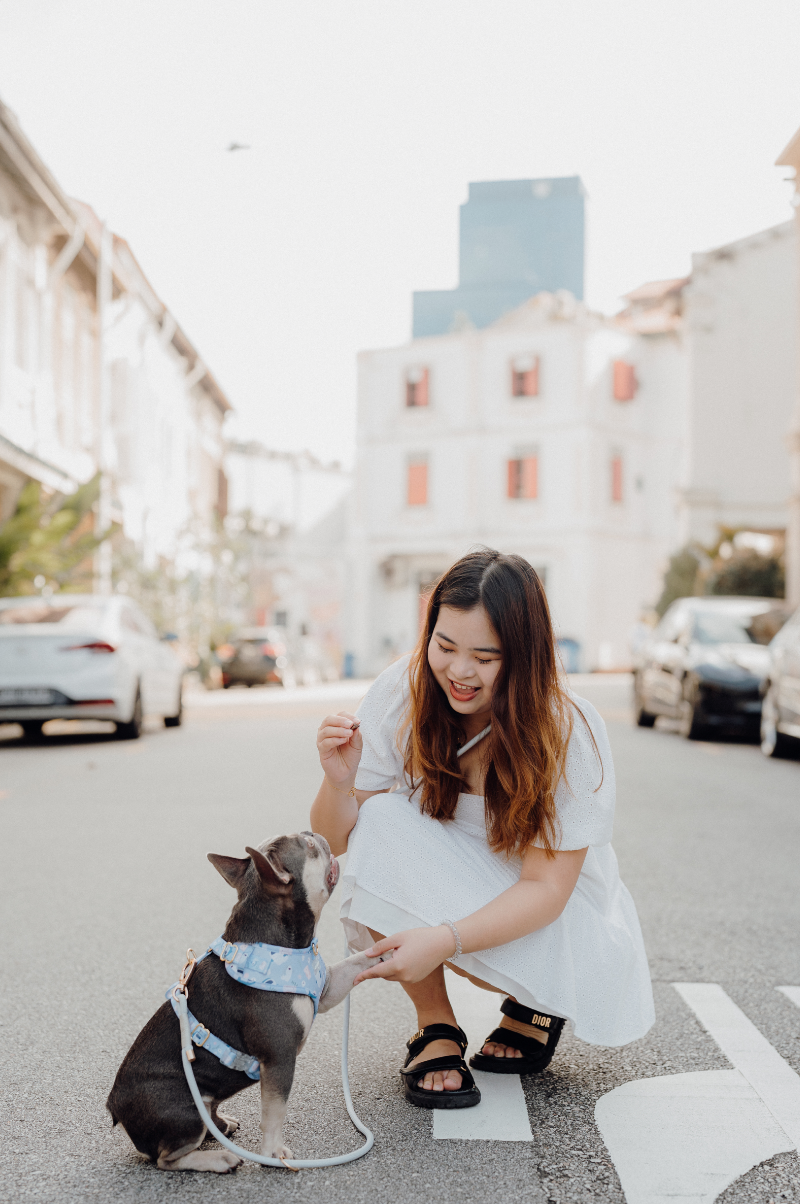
(725, 627)
(72, 617)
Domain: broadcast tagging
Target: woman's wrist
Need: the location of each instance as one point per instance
(452, 932)
(348, 786)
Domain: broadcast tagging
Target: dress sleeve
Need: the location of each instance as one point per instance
(585, 802)
(381, 713)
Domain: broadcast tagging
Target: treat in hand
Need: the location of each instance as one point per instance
(339, 745)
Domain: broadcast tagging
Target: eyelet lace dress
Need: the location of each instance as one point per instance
(406, 870)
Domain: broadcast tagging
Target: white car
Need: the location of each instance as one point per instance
(84, 656)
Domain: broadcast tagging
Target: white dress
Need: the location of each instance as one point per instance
(406, 870)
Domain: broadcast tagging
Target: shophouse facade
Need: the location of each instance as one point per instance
(551, 433)
(95, 373)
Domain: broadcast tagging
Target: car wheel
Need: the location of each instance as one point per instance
(132, 730)
(32, 728)
(690, 725)
(177, 719)
(643, 718)
(773, 742)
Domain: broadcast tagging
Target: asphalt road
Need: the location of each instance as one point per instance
(105, 883)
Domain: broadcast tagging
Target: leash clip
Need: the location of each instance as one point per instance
(187, 971)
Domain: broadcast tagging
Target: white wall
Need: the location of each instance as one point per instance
(741, 318)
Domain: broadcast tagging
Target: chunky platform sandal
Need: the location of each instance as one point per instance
(536, 1054)
(467, 1095)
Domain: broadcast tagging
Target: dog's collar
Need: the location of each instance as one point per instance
(274, 968)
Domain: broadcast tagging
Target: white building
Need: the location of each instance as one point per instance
(740, 316)
(551, 433)
(95, 373)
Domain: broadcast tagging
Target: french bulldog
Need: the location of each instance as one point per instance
(282, 887)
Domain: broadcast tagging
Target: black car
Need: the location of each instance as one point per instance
(255, 657)
(705, 665)
(780, 714)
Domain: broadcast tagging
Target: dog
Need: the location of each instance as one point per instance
(282, 887)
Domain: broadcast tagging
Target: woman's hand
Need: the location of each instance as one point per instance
(417, 953)
(339, 744)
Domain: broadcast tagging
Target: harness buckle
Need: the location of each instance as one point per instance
(197, 1028)
(229, 957)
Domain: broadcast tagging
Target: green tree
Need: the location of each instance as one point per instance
(748, 574)
(681, 579)
(49, 537)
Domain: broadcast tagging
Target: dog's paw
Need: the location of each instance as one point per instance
(219, 1162)
(362, 962)
(225, 1161)
(228, 1124)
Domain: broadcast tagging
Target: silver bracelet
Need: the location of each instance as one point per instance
(455, 956)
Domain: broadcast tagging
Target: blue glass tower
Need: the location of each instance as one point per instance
(517, 238)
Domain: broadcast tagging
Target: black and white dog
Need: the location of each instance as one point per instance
(282, 887)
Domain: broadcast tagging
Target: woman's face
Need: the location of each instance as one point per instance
(465, 656)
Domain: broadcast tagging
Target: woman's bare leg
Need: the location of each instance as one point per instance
(433, 1007)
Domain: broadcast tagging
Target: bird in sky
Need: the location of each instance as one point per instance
(234, 146)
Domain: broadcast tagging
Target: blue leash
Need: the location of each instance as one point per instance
(180, 996)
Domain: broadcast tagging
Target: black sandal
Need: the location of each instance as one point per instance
(536, 1055)
(467, 1095)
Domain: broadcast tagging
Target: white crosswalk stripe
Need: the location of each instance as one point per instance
(502, 1114)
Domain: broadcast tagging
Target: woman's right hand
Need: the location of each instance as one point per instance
(339, 747)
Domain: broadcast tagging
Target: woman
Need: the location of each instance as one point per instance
(490, 852)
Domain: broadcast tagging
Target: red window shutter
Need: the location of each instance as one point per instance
(530, 477)
(525, 382)
(422, 389)
(625, 382)
(513, 477)
(417, 387)
(531, 380)
(616, 478)
(418, 484)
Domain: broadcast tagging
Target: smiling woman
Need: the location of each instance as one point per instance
(474, 795)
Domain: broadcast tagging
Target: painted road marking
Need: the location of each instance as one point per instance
(502, 1114)
(687, 1137)
(792, 993)
(766, 1071)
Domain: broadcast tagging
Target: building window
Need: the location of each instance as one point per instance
(417, 484)
(416, 387)
(525, 376)
(523, 475)
(625, 382)
(616, 477)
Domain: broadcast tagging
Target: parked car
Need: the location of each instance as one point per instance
(705, 663)
(254, 657)
(81, 656)
(780, 712)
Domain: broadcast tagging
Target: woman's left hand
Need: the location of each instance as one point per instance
(415, 954)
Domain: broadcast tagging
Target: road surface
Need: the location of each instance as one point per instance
(105, 883)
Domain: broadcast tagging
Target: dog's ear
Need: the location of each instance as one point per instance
(233, 869)
(273, 873)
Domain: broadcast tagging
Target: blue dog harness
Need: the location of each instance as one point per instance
(267, 968)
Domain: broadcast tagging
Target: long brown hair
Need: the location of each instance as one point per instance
(525, 753)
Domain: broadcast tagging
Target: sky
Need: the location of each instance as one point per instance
(366, 119)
